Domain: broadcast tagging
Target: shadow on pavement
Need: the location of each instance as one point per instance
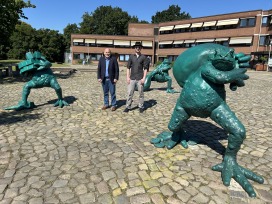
(13, 116)
(149, 103)
(68, 99)
(6, 80)
(120, 103)
(206, 133)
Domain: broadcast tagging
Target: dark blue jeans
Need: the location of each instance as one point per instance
(109, 87)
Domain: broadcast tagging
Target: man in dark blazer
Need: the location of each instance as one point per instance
(108, 75)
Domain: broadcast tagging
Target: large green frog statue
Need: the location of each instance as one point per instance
(202, 72)
(38, 68)
(160, 74)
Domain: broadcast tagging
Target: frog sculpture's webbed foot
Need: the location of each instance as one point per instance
(61, 103)
(169, 140)
(229, 168)
(21, 106)
(171, 91)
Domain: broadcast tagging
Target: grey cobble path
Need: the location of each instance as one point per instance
(81, 154)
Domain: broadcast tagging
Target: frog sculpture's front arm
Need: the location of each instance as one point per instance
(160, 74)
(202, 71)
(42, 76)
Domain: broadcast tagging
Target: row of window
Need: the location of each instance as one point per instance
(188, 45)
(264, 40)
(247, 22)
(243, 23)
(96, 57)
(104, 45)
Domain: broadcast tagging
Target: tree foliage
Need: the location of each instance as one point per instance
(10, 13)
(87, 24)
(171, 14)
(25, 38)
(22, 40)
(67, 31)
(50, 44)
(106, 20)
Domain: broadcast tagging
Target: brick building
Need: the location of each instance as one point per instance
(249, 32)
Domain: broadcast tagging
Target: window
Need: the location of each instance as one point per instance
(95, 57)
(187, 45)
(247, 22)
(223, 27)
(156, 31)
(78, 43)
(181, 30)
(76, 56)
(222, 41)
(123, 58)
(90, 44)
(162, 46)
(225, 43)
(265, 20)
(98, 56)
(165, 44)
(209, 28)
(264, 40)
(166, 32)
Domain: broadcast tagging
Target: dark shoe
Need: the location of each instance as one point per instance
(113, 108)
(141, 110)
(104, 107)
(126, 110)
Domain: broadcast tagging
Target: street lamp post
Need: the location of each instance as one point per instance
(269, 60)
(88, 54)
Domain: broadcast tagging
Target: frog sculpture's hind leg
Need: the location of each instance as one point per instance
(24, 104)
(171, 139)
(169, 84)
(147, 82)
(229, 168)
(55, 85)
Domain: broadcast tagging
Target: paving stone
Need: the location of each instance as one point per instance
(87, 198)
(157, 199)
(81, 189)
(105, 198)
(139, 199)
(102, 187)
(135, 191)
(35, 200)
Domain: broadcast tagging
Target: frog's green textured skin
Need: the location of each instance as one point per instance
(202, 72)
(160, 74)
(38, 67)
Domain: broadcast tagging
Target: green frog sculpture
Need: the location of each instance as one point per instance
(160, 74)
(39, 69)
(202, 72)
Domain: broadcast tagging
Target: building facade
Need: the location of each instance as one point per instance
(249, 32)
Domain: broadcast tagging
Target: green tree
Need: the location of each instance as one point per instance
(87, 24)
(106, 20)
(22, 40)
(51, 44)
(67, 31)
(171, 14)
(10, 13)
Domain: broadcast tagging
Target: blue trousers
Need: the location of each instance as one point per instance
(108, 86)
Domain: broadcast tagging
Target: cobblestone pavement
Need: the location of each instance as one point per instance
(81, 154)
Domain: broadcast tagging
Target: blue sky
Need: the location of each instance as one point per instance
(57, 14)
